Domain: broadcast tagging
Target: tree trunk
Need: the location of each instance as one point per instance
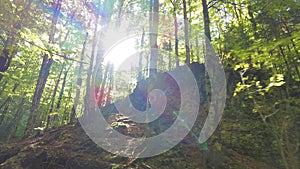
(176, 37)
(252, 20)
(197, 50)
(6, 104)
(186, 34)
(99, 60)
(110, 86)
(120, 6)
(154, 19)
(43, 76)
(54, 96)
(61, 93)
(9, 51)
(206, 20)
(7, 55)
(66, 114)
(287, 64)
(60, 97)
(100, 97)
(170, 61)
(79, 82)
(88, 99)
(140, 70)
(105, 18)
(190, 32)
(17, 117)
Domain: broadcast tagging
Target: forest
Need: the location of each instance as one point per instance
(149, 84)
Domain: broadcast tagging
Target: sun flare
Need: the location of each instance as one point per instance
(120, 51)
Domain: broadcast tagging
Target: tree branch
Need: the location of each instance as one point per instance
(209, 5)
(54, 52)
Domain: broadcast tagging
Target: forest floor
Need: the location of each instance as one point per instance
(68, 147)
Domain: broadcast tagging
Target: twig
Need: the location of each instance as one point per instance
(267, 116)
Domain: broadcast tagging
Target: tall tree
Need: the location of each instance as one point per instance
(43, 75)
(87, 99)
(79, 82)
(140, 69)
(108, 99)
(60, 98)
(103, 11)
(101, 96)
(174, 4)
(206, 20)
(154, 20)
(54, 96)
(186, 34)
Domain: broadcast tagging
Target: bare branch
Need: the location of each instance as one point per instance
(212, 4)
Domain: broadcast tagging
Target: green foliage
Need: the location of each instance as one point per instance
(258, 41)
